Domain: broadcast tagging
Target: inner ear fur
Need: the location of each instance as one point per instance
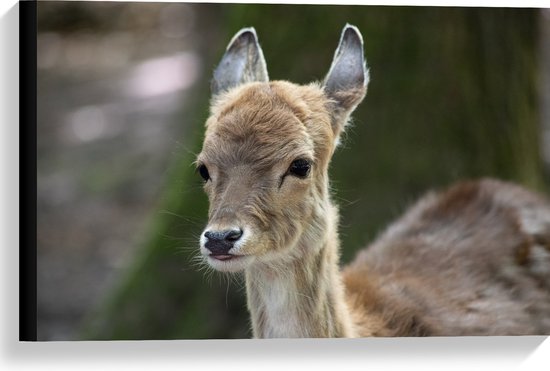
(242, 62)
(348, 77)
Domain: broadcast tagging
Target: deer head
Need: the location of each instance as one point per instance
(266, 152)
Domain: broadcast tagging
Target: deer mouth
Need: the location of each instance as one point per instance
(229, 262)
(223, 257)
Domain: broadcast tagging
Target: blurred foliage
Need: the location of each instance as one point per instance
(452, 96)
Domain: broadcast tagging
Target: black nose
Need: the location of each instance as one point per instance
(220, 242)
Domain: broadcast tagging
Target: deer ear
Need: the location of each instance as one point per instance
(347, 79)
(242, 62)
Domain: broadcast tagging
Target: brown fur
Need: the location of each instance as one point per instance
(460, 263)
(471, 260)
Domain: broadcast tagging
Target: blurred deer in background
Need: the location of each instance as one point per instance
(472, 260)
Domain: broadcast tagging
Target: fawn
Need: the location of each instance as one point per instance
(471, 260)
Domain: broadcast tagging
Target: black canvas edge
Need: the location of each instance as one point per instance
(27, 171)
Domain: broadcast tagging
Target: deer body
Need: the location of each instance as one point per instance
(466, 261)
(473, 260)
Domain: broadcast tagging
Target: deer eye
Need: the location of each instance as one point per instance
(203, 171)
(300, 168)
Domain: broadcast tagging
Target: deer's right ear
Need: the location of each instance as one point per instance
(242, 62)
(347, 79)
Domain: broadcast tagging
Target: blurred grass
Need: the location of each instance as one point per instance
(452, 96)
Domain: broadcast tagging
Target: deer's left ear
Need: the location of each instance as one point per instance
(242, 62)
(346, 82)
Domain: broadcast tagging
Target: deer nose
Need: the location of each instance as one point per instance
(220, 242)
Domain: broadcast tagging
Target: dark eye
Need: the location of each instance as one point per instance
(203, 171)
(300, 168)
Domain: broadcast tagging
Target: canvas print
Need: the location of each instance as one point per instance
(210, 171)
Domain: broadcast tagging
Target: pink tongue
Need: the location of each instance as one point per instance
(222, 257)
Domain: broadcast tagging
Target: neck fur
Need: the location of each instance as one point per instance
(303, 299)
